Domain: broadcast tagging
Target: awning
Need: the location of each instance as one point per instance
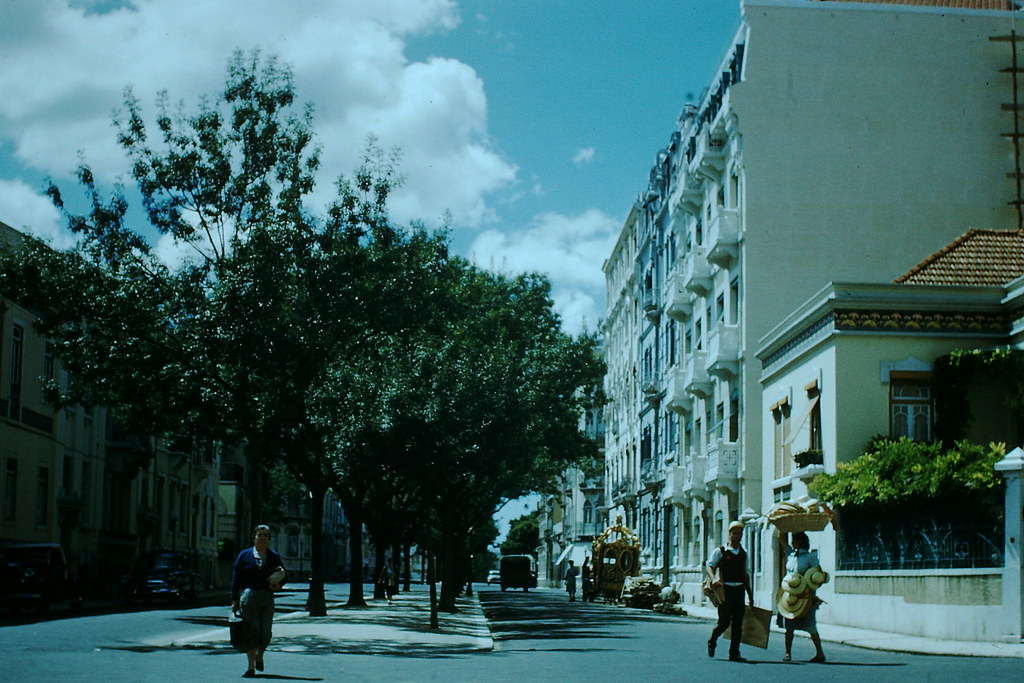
(577, 552)
(799, 425)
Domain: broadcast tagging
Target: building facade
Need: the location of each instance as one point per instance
(838, 142)
(855, 361)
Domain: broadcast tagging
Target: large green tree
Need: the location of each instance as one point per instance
(232, 341)
(478, 406)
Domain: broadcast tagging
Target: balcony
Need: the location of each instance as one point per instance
(674, 483)
(679, 400)
(691, 197)
(709, 155)
(651, 474)
(724, 237)
(651, 307)
(723, 466)
(693, 478)
(680, 300)
(724, 352)
(624, 491)
(696, 380)
(652, 390)
(697, 272)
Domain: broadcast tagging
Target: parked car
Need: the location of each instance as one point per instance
(518, 571)
(36, 575)
(168, 576)
(494, 576)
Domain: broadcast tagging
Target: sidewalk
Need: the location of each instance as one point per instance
(401, 626)
(893, 642)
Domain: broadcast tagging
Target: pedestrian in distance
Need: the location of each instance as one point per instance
(727, 568)
(570, 580)
(257, 573)
(588, 583)
(798, 599)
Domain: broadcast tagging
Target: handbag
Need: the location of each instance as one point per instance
(239, 632)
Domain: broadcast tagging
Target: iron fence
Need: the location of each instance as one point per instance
(920, 545)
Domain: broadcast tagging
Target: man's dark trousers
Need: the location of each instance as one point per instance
(731, 611)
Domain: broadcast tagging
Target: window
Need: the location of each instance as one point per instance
(588, 512)
(68, 475)
(734, 417)
(698, 335)
(720, 308)
(814, 396)
(780, 418)
(48, 361)
(734, 301)
(11, 490)
(719, 420)
(43, 496)
(672, 342)
(86, 491)
(17, 350)
(699, 232)
(910, 405)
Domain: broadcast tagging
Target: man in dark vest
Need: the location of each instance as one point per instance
(728, 568)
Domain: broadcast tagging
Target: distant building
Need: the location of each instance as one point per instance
(74, 477)
(569, 520)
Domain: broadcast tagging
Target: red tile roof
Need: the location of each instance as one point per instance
(977, 258)
(964, 4)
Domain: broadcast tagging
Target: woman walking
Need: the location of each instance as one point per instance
(798, 601)
(257, 573)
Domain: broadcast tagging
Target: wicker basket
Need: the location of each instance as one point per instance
(802, 521)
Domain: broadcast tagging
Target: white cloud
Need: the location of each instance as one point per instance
(64, 72)
(568, 249)
(584, 156)
(25, 209)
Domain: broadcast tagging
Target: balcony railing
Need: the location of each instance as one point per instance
(652, 309)
(723, 465)
(624, 490)
(723, 237)
(724, 351)
(696, 380)
(674, 485)
(679, 400)
(697, 272)
(693, 477)
(651, 472)
(680, 300)
(708, 156)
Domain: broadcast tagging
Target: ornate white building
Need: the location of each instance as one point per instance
(837, 142)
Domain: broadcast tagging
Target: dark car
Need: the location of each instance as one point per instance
(168, 576)
(35, 575)
(518, 571)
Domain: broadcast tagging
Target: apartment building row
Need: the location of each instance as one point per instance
(839, 142)
(113, 500)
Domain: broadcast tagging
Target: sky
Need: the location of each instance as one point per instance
(531, 124)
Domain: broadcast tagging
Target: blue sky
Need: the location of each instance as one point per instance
(533, 123)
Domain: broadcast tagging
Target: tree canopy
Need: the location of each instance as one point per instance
(360, 354)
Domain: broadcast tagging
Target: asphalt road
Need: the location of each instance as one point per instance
(538, 636)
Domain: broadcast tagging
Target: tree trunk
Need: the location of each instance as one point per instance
(379, 593)
(355, 544)
(317, 602)
(451, 573)
(408, 568)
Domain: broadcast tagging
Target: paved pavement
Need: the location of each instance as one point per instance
(403, 626)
